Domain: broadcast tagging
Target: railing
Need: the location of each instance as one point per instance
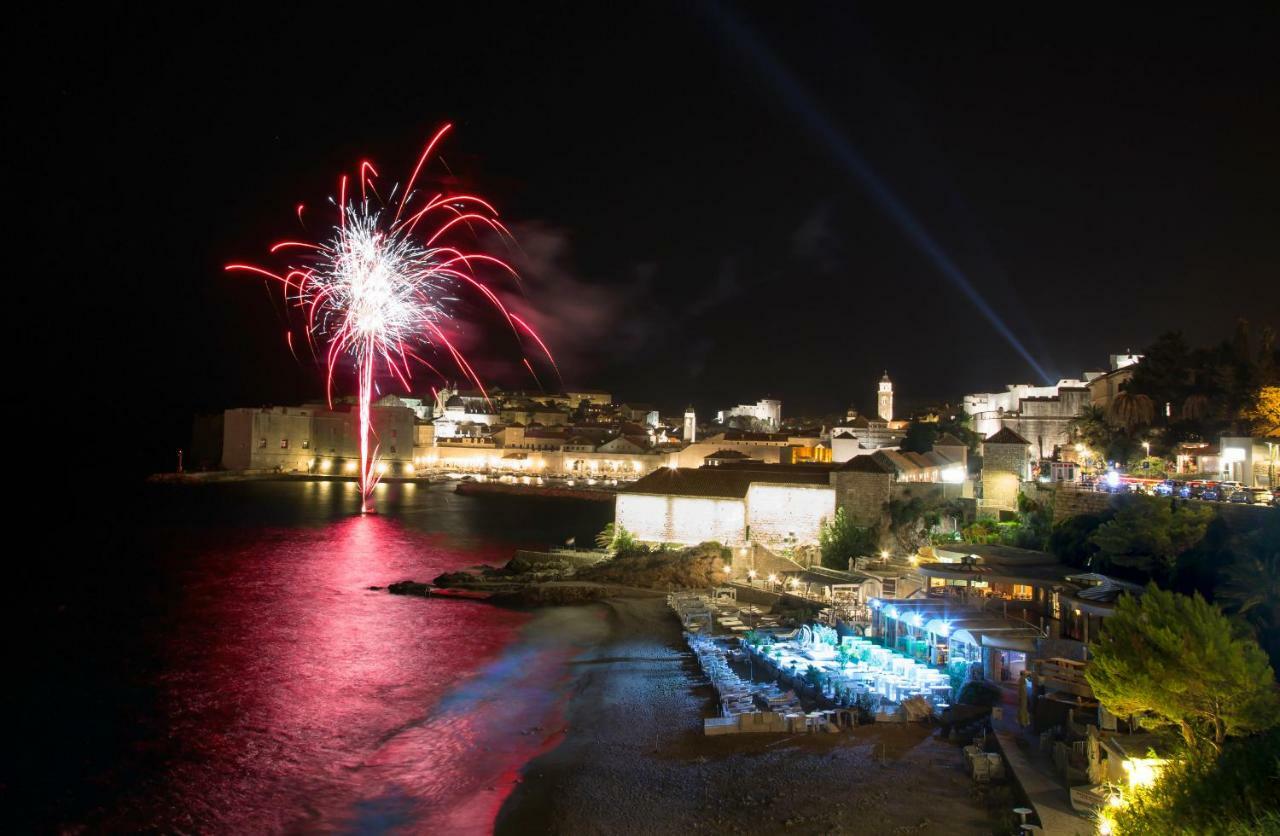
(1064, 675)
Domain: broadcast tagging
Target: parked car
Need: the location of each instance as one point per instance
(1191, 490)
(1212, 492)
(1259, 496)
(1240, 496)
(1165, 488)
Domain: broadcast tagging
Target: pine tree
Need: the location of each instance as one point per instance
(1169, 660)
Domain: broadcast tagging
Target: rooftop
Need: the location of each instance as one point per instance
(1007, 436)
(718, 482)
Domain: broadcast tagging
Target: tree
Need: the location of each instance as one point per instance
(1169, 660)
(1263, 413)
(1251, 588)
(1070, 540)
(1148, 534)
(1111, 442)
(840, 540)
(1132, 411)
(920, 436)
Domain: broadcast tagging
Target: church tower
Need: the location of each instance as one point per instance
(690, 425)
(884, 399)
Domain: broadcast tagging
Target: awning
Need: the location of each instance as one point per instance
(1021, 639)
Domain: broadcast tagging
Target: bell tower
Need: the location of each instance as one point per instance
(690, 425)
(884, 398)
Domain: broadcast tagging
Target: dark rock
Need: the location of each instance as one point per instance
(409, 588)
(449, 579)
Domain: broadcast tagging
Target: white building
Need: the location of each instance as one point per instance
(767, 411)
(1041, 414)
(727, 505)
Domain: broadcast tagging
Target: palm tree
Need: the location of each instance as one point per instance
(1196, 408)
(1132, 411)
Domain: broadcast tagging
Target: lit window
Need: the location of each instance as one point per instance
(1022, 592)
(306, 444)
(284, 444)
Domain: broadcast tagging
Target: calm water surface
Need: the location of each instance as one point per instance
(214, 662)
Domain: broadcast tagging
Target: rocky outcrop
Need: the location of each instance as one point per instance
(408, 588)
(697, 566)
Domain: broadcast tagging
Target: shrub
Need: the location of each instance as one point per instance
(979, 692)
(1235, 793)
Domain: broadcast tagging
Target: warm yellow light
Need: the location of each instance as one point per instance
(1143, 771)
(726, 568)
(382, 467)
(1115, 800)
(751, 574)
(884, 553)
(408, 468)
(326, 465)
(773, 579)
(349, 467)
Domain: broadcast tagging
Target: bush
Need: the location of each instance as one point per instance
(1236, 793)
(1070, 539)
(841, 540)
(979, 692)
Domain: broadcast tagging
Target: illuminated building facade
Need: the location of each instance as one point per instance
(314, 439)
(732, 506)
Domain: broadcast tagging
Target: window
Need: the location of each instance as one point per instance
(306, 444)
(262, 444)
(393, 448)
(1021, 592)
(284, 444)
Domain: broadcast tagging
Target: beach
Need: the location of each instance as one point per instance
(633, 759)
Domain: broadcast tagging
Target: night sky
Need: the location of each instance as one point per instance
(716, 204)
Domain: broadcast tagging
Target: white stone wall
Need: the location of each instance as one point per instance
(788, 514)
(686, 520)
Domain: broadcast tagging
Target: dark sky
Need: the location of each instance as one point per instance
(717, 202)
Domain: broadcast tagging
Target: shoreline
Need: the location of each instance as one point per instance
(631, 757)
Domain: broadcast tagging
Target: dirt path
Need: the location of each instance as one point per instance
(634, 759)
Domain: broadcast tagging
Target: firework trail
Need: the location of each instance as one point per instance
(378, 291)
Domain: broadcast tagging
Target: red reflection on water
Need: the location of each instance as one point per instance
(299, 699)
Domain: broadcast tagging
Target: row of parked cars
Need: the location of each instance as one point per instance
(1206, 490)
(1216, 492)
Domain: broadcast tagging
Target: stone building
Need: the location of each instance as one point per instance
(767, 412)
(1006, 464)
(775, 507)
(863, 487)
(313, 438)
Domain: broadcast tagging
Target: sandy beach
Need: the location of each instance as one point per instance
(633, 758)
